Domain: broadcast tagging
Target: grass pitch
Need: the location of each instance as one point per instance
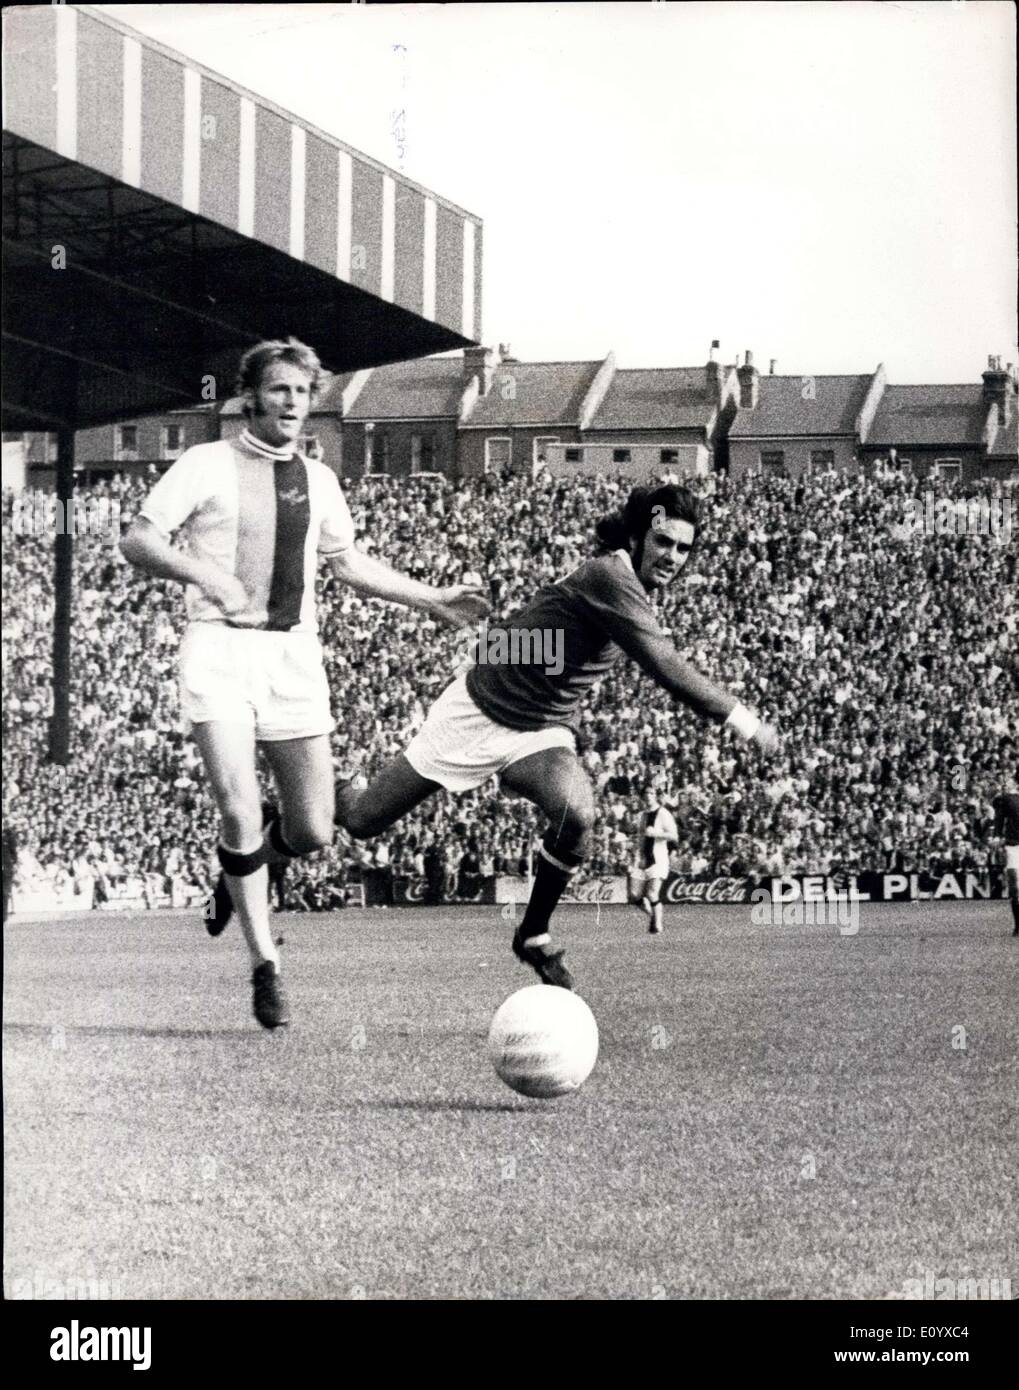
(777, 1112)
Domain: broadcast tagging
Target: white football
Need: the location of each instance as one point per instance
(543, 1041)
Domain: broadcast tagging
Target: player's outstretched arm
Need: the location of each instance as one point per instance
(657, 656)
(148, 550)
(456, 605)
(617, 605)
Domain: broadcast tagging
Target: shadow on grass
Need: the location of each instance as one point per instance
(438, 1106)
(117, 1030)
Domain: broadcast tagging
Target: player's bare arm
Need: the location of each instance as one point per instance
(659, 536)
(152, 553)
(657, 656)
(455, 605)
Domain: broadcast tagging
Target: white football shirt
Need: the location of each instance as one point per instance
(265, 515)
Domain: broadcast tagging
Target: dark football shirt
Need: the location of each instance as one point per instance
(1006, 816)
(589, 619)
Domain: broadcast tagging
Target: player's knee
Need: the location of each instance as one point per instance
(574, 822)
(348, 814)
(242, 825)
(358, 824)
(312, 832)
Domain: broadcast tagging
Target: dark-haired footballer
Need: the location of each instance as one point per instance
(1006, 829)
(514, 718)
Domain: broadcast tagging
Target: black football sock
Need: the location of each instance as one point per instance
(553, 873)
(277, 849)
(1015, 915)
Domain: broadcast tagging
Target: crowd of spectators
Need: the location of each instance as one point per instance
(886, 657)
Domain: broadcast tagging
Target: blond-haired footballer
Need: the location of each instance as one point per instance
(257, 517)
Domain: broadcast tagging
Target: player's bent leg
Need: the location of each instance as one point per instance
(555, 782)
(654, 897)
(395, 791)
(637, 891)
(248, 878)
(219, 908)
(303, 770)
(228, 752)
(228, 755)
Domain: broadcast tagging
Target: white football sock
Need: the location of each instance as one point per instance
(250, 896)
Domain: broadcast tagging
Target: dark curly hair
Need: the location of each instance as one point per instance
(644, 508)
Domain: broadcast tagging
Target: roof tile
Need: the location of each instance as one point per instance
(429, 388)
(656, 398)
(917, 415)
(542, 393)
(786, 407)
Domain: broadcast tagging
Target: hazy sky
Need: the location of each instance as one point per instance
(828, 184)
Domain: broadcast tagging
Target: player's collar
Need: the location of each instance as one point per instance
(259, 446)
(627, 560)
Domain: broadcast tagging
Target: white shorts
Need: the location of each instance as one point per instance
(273, 682)
(1012, 857)
(642, 882)
(461, 748)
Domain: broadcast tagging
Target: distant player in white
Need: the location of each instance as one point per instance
(658, 831)
(257, 517)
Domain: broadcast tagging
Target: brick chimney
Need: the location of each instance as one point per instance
(480, 364)
(772, 365)
(999, 389)
(714, 375)
(749, 383)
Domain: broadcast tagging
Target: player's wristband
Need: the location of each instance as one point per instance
(744, 721)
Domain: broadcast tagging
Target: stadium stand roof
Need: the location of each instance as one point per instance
(158, 219)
